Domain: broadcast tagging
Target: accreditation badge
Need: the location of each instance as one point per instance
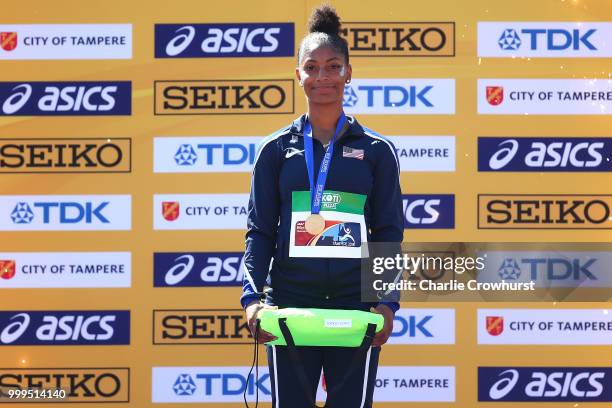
(344, 232)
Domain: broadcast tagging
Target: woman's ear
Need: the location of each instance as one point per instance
(298, 76)
(349, 74)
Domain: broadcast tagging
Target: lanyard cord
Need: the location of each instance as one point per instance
(316, 190)
(256, 365)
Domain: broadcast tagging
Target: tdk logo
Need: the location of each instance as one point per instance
(221, 384)
(185, 155)
(509, 40)
(423, 326)
(545, 384)
(198, 269)
(65, 98)
(350, 97)
(22, 214)
(224, 40)
(509, 269)
(544, 39)
(64, 213)
(226, 154)
(211, 154)
(550, 39)
(390, 96)
(400, 96)
(430, 211)
(184, 385)
(550, 154)
(550, 269)
(64, 327)
(411, 327)
(209, 384)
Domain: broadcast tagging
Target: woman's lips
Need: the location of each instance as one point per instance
(324, 87)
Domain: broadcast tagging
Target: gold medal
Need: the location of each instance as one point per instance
(315, 224)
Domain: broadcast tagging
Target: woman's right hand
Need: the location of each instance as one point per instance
(251, 316)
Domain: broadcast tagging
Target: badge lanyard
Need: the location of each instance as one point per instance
(316, 191)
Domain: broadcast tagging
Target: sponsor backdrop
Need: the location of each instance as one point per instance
(127, 138)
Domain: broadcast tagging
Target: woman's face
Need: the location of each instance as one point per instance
(323, 73)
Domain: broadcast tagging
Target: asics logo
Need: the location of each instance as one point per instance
(504, 155)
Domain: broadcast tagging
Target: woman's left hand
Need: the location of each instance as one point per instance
(382, 336)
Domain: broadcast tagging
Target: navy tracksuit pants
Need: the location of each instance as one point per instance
(352, 390)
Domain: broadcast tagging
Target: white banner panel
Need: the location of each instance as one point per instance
(65, 41)
(545, 326)
(65, 269)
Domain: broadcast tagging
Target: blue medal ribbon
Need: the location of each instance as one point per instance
(316, 191)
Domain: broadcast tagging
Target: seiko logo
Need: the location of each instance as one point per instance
(65, 155)
(200, 327)
(409, 39)
(232, 97)
(545, 211)
(81, 385)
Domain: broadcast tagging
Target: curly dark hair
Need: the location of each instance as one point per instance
(324, 30)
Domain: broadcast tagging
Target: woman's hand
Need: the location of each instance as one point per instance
(251, 316)
(382, 336)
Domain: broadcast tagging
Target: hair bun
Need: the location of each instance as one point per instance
(324, 20)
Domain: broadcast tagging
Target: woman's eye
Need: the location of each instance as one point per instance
(310, 68)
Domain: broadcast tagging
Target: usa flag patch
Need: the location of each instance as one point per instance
(352, 153)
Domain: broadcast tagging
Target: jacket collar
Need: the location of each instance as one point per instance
(354, 128)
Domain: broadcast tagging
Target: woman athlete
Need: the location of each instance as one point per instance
(322, 187)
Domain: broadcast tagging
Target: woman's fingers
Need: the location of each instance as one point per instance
(381, 338)
(265, 337)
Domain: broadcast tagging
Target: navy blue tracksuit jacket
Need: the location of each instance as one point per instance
(280, 169)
